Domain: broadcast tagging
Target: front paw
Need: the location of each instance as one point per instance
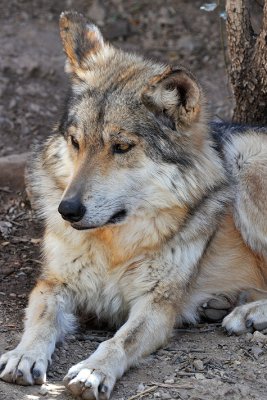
(88, 382)
(247, 318)
(24, 367)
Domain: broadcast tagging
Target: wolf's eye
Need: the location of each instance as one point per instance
(74, 142)
(121, 148)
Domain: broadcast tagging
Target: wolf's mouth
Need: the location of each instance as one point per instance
(116, 218)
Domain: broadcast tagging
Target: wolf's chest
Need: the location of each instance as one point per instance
(91, 284)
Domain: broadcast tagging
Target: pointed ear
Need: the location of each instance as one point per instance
(81, 40)
(176, 94)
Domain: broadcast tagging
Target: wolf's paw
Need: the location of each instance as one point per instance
(89, 383)
(23, 367)
(216, 308)
(247, 318)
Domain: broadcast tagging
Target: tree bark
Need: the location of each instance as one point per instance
(248, 63)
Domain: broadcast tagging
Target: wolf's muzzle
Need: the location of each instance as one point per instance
(72, 209)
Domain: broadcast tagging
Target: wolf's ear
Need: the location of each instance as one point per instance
(176, 94)
(81, 40)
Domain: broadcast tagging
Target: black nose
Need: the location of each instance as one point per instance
(72, 209)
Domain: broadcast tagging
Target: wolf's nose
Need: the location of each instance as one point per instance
(72, 209)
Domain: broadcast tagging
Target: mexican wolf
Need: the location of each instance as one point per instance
(152, 215)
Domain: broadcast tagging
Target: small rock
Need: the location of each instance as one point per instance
(256, 351)
(157, 395)
(248, 336)
(198, 365)
(199, 377)
(140, 388)
(13, 295)
(43, 390)
(237, 362)
(169, 381)
(12, 103)
(35, 108)
(165, 395)
(259, 337)
(6, 124)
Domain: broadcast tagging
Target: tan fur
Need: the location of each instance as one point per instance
(230, 263)
(167, 230)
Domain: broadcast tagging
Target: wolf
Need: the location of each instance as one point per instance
(152, 215)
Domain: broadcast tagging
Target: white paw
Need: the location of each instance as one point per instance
(89, 383)
(247, 318)
(23, 367)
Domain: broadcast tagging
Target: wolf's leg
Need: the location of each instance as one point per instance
(247, 318)
(47, 320)
(147, 328)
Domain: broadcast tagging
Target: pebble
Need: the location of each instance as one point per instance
(198, 365)
(13, 103)
(256, 351)
(165, 395)
(13, 295)
(248, 336)
(43, 390)
(199, 376)
(237, 362)
(259, 337)
(6, 124)
(169, 381)
(140, 388)
(65, 346)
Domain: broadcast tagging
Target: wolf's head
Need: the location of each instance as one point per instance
(133, 133)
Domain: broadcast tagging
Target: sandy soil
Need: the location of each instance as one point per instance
(199, 362)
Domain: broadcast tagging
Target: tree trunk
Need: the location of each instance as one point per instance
(248, 63)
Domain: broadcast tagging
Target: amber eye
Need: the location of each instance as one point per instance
(74, 142)
(121, 148)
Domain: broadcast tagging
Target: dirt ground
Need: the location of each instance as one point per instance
(199, 362)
